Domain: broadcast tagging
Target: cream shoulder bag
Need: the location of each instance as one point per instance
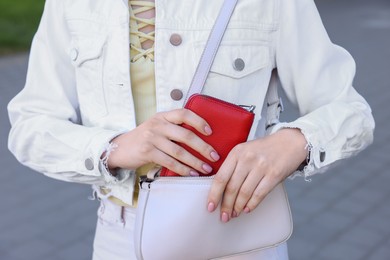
(172, 221)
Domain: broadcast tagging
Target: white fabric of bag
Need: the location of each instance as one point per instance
(172, 219)
(173, 222)
(114, 233)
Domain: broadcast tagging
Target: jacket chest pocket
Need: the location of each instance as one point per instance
(87, 55)
(239, 70)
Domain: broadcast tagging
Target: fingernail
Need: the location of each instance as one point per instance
(225, 217)
(194, 173)
(247, 210)
(211, 207)
(207, 168)
(214, 155)
(207, 129)
(234, 214)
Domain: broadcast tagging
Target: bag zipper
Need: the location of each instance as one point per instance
(148, 181)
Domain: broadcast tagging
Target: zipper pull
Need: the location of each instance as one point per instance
(249, 108)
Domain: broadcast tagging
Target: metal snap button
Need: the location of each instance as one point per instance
(176, 94)
(74, 54)
(322, 156)
(89, 164)
(175, 39)
(239, 64)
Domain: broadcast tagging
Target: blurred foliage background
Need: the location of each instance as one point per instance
(19, 21)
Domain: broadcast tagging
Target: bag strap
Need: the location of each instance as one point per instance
(212, 45)
(273, 106)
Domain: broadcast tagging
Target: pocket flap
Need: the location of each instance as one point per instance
(86, 48)
(238, 60)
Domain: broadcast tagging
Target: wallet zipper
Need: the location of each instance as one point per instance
(249, 108)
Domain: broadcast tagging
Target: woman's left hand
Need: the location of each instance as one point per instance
(253, 169)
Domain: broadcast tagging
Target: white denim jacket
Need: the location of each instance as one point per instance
(78, 95)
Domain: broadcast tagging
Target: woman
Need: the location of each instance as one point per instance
(87, 113)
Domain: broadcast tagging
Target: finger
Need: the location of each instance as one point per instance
(171, 163)
(232, 189)
(185, 136)
(247, 188)
(180, 116)
(219, 183)
(265, 186)
(182, 155)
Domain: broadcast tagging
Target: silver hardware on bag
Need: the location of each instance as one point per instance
(143, 180)
(249, 108)
(277, 108)
(279, 104)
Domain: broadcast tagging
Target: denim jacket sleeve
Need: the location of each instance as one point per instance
(317, 76)
(46, 133)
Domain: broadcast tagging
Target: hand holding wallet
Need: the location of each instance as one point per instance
(230, 125)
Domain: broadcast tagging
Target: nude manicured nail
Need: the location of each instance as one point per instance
(247, 210)
(224, 217)
(234, 214)
(194, 173)
(207, 129)
(211, 207)
(207, 168)
(214, 155)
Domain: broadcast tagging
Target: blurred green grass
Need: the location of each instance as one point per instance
(19, 21)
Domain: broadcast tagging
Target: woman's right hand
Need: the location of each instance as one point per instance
(154, 141)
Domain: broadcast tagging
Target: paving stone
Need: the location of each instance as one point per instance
(314, 233)
(324, 195)
(376, 221)
(81, 250)
(368, 195)
(34, 249)
(384, 209)
(333, 221)
(300, 248)
(64, 234)
(308, 206)
(339, 184)
(6, 256)
(350, 206)
(383, 253)
(337, 251)
(363, 237)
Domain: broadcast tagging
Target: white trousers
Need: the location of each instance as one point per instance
(114, 237)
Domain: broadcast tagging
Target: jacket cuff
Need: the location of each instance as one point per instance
(93, 165)
(318, 159)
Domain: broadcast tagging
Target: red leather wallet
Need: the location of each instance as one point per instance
(230, 124)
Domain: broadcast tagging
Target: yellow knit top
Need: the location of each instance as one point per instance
(141, 72)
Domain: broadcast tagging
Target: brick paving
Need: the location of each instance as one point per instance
(342, 214)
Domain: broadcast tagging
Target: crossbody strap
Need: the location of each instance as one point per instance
(273, 106)
(209, 52)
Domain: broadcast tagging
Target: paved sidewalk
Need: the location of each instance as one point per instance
(342, 214)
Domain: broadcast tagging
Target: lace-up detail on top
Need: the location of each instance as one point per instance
(137, 35)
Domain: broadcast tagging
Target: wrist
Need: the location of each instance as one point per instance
(106, 158)
(297, 142)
